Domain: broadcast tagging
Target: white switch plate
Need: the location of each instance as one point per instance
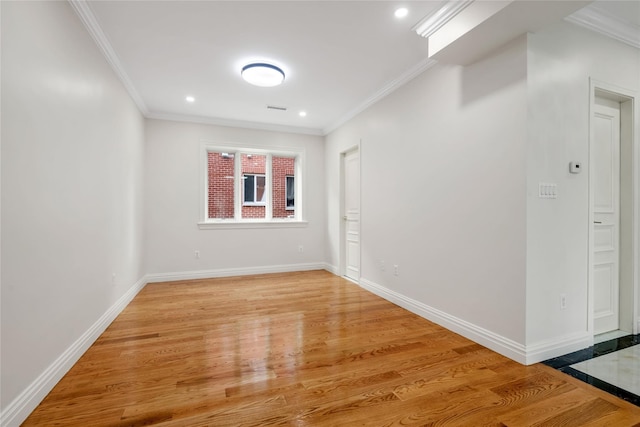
(547, 190)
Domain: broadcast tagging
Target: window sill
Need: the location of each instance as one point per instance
(231, 224)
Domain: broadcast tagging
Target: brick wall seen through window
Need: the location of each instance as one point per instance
(221, 185)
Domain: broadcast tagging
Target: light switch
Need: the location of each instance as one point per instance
(547, 190)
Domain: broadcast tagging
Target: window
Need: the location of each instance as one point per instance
(254, 189)
(251, 187)
(290, 191)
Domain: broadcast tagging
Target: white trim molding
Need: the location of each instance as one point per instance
(525, 354)
(83, 9)
(495, 342)
(230, 272)
(230, 224)
(558, 346)
(439, 18)
(334, 270)
(84, 12)
(596, 19)
(20, 408)
(386, 90)
(630, 120)
(218, 121)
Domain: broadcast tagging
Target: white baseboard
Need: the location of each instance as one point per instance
(20, 408)
(228, 272)
(331, 268)
(495, 342)
(520, 353)
(558, 347)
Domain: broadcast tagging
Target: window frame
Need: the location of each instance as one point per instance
(255, 190)
(286, 191)
(297, 219)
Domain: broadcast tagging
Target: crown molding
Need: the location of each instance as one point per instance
(387, 89)
(438, 18)
(86, 15)
(234, 123)
(84, 12)
(600, 21)
(83, 9)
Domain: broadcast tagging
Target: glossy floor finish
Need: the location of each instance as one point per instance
(612, 366)
(608, 336)
(620, 368)
(304, 349)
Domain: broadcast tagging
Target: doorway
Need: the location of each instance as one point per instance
(351, 214)
(613, 228)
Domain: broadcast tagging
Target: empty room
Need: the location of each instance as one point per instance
(320, 213)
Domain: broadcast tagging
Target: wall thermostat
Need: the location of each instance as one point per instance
(575, 167)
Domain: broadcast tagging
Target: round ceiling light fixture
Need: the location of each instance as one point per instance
(262, 74)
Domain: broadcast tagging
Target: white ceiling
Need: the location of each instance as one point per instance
(338, 56)
(627, 10)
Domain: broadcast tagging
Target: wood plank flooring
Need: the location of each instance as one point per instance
(304, 349)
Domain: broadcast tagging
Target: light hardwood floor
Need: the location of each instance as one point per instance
(304, 349)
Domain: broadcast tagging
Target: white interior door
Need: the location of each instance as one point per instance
(605, 170)
(352, 214)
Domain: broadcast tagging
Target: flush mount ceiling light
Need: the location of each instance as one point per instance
(262, 74)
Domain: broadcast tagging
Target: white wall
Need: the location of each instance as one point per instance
(450, 168)
(173, 197)
(72, 176)
(443, 193)
(561, 59)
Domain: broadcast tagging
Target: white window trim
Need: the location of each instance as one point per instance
(231, 224)
(298, 220)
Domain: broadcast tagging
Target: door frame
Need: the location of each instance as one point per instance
(342, 270)
(629, 119)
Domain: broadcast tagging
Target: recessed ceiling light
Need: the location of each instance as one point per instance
(302, 114)
(262, 74)
(401, 12)
(190, 99)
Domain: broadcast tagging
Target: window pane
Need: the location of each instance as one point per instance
(290, 191)
(283, 170)
(260, 193)
(220, 193)
(249, 185)
(254, 166)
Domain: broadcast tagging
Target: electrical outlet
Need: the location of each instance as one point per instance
(197, 254)
(113, 278)
(300, 248)
(396, 270)
(563, 301)
(382, 267)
